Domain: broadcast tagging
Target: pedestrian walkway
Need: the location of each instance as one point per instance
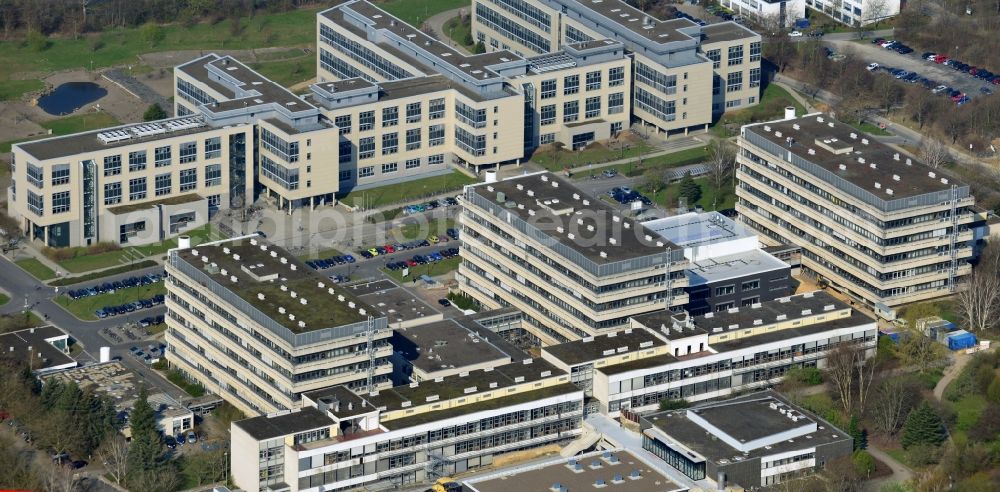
(900, 472)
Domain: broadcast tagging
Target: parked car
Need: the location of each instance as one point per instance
(180, 439)
(444, 302)
(192, 437)
(872, 67)
(609, 173)
(795, 34)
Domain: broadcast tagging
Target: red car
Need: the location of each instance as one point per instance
(973, 70)
(389, 249)
(940, 59)
(996, 81)
(411, 263)
(958, 96)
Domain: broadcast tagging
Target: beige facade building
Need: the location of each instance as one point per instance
(574, 266)
(673, 60)
(880, 226)
(257, 327)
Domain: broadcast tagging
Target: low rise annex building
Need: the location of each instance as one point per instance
(340, 440)
(757, 440)
(673, 356)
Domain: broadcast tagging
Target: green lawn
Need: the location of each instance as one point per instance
(869, 128)
(968, 409)
(289, 71)
(103, 273)
(36, 268)
(86, 263)
(709, 194)
(84, 307)
(323, 253)
(421, 229)
(408, 191)
(4, 299)
(416, 12)
(673, 159)
(458, 30)
(14, 89)
(556, 160)
(80, 123)
(772, 105)
(121, 46)
(433, 269)
(68, 125)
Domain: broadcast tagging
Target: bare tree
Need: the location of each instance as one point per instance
(59, 479)
(919, 351)
(721, 165)
(892, 401)
(875, 12)
(933, 152)
(865, 369)
(114, 455)
(979, 299)
(840, 372)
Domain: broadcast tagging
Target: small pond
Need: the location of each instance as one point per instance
(70, 97)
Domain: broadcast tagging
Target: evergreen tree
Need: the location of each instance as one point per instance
(923, 426)
(147, 447)
(689, 189)
(154, 112)
(857, 433)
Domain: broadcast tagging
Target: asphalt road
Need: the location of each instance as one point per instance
(23, 286)
(913, 63)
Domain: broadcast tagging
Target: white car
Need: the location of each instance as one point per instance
(939, 89)
(932, 57)
(872, 66)
(795, 34)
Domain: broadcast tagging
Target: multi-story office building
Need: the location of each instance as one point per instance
(880, 226)
(254, 325)
(476, 109)
(140, 183)
(399, 437)
(672, 356)
(857, 12)
(574, 266)
(753, 441)
(673, 60)
(728, 267)
(776, 13)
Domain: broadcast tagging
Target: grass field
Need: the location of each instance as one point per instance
(288, 71)
(557, 159)
(673, 159)
(772, 105)
(422, 230)
(4, 299)
(14, 89)
(709, 194)
(433, 269)
(323, 253)
(408, 191)
(416, 12)
(869, 128)
(968, 410)
(86, 263)
(458, 30)
(103, 273)
(67, 125)
(84, 308)
(36, 268)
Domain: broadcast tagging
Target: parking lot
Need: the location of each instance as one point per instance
(913, 63)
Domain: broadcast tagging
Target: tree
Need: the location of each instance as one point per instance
(668, 404)
(114, 454)
(37, 41)
(875, 11)
(864, 463)
(840, 372)
(933, 153)
(919, 351)
(923, 427)
(655, 179)
(721, 166)
(151, 33)
(857, 433)
(888, 93)
(689, 190)
(891, 403)
(921, 105)
(480, 48)
(979, 297)
(147, 447)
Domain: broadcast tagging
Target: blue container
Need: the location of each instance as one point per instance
(961, 340)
